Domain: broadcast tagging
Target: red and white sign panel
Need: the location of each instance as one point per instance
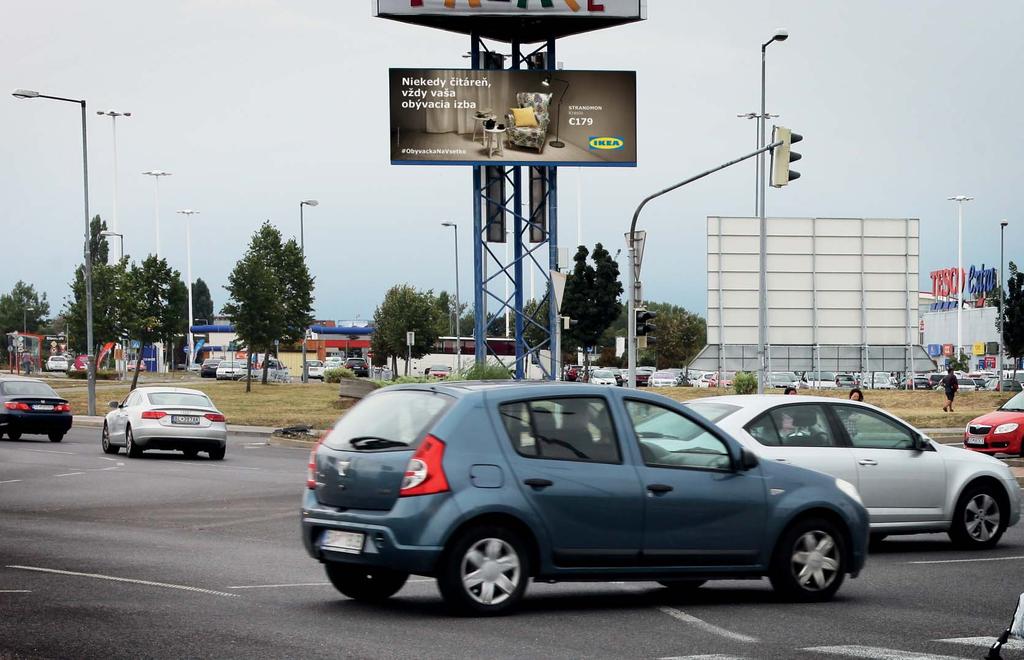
(583, 8)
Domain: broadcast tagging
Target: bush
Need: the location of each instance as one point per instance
(335, 375)
(483, 371)
(744, 383)
(101, 374)
(407, 380)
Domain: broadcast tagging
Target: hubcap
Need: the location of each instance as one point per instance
(490, 571)
(815, 561)
(981, 517)
(106, 438)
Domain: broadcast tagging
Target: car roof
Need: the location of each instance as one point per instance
(168, 390)
(755, 404)
(7, 378)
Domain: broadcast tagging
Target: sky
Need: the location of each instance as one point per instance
(255, 105)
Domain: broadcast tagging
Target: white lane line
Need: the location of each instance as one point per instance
(112, 467)
(961, 561)
(10, 481)
(877, 653)
(15, 591)
(148, 583)
(984, 642)
(712, 656)
(68, 474)
(104, 458)
(52, 451)
(279, 586)
(705, 626)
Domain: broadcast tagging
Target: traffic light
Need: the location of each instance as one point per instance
(643, 322)
(783, 155)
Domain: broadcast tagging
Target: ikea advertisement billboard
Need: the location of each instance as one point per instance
(513, 117)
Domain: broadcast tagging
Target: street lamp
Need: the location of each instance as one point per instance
(114, 114)
(108, 234)
(302, 246)
(188, 213)
(91, 377)
(1002, 313)
(24, 317)
(757, 143)
(959, 199)
(458, 306)
(156, 174)
(762, 311)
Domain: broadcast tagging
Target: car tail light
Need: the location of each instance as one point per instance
(425, 474)
(16, 405)
(62, 407)
(153, 414)
(214, 417)
(311, 466)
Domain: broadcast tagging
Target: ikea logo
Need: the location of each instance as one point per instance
(607, 143)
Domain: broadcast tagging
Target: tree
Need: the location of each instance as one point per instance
(591, 298)
(680, 335)
(23, 309)
(404, 309)
(202, 301)
(1013, 316)
(99, 249)
(961, 362)
(178, 323)
(151, 308)
(111, 294)
(255, 306)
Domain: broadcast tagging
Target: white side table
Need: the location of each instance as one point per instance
(479, 126)
(494, 139)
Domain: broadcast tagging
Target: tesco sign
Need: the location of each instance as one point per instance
(953, 281)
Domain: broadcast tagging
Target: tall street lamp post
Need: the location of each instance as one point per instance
(762, 325)
(156, 174)
(302, 246)
(108, 234)
(31, 94)
(757, 143)
(1002, 313)
(114, 114)
(188, 213)
(458, 306)
(959, 199)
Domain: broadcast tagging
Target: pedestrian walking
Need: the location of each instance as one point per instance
(950, 385)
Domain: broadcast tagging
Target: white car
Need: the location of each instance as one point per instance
(315, 369)
(603, 377)
(165, 418)
(57, 363)
(334, 362)
(881, 380)
(819, 380)
(909, 483)
(232, 368)
(664, 379)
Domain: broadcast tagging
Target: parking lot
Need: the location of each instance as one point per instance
(162, 556)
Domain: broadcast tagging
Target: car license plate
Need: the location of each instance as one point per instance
(979, 442)
(351, 542)
(185, 419)
(42, 407)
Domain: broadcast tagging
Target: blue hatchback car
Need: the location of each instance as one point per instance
(484, 486)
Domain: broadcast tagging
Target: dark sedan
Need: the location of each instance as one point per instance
(32, 407)
(209, 368)
(358, 365)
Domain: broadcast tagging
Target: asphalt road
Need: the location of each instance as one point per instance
(165, 557)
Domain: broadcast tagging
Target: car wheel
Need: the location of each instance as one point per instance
(369, 585)
(809, 564)
(190, 453)
(14, 435)
(682, 586)
(978, 520)
(55, 436)
(131, 449)
(105, 441)
(217, 454)
(484, 572)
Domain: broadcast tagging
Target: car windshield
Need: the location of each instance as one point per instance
(1015, 404)
(393, 420)
(180, 399)
(713, 412)
(27, 388)
(787, 376)
(603, 373)
(663, 374)
(826, 375)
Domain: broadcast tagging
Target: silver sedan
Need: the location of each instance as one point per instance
(165, 418)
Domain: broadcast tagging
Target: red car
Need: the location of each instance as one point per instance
(998, 432)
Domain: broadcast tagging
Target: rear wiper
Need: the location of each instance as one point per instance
(371, 442)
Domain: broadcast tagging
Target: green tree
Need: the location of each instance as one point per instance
(178, 323)
(961, 362)
(151, 308)
(404, 309)
(679, 335)
(591, 298)
(255, 306)
(23, 309)
(99, 249)
(202, 301)
(111, 296)
(1013, 316)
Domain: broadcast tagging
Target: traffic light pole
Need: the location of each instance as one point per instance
(631, 280)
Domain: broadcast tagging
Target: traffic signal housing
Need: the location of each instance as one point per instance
(783, 155)
(644, 326)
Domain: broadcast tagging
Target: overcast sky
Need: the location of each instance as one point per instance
(255, 105)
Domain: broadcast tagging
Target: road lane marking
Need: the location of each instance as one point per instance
(112, 578)
(10, 481)
(279, 586)
(712, 656)
(707, 627)
(15, 591)
(961, 561)
(68, 474)
(984, 642)
(876, 653)
(112, 467)
(50, 451)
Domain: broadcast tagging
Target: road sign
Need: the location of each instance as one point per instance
(410, 338)
(558, 287)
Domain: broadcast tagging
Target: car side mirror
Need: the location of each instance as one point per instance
(114, 405)
(748, 459)
(920, 443)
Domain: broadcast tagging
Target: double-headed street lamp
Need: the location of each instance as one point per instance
(458, 306)
(302, 246)
(156, 174)
(1002, 312)
(188, 213)
(91, 380)
(959, 199)
(114, 114)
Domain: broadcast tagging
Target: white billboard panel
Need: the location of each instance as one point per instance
(577, 8)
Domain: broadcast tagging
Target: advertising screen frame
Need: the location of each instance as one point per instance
(619, 9)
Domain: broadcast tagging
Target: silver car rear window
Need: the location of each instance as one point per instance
(179, 399)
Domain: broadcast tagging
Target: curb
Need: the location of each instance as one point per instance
(85, 421)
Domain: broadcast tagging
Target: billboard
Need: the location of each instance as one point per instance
(513, 117)
(635, 9)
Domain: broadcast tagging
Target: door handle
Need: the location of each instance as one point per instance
(782, 460)
(658, 489)
(867, 461)
(539, 483)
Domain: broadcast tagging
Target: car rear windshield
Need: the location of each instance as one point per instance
(179, 399)
(712, 411)
(27, 388)
(394, 420)
(1015, 404)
